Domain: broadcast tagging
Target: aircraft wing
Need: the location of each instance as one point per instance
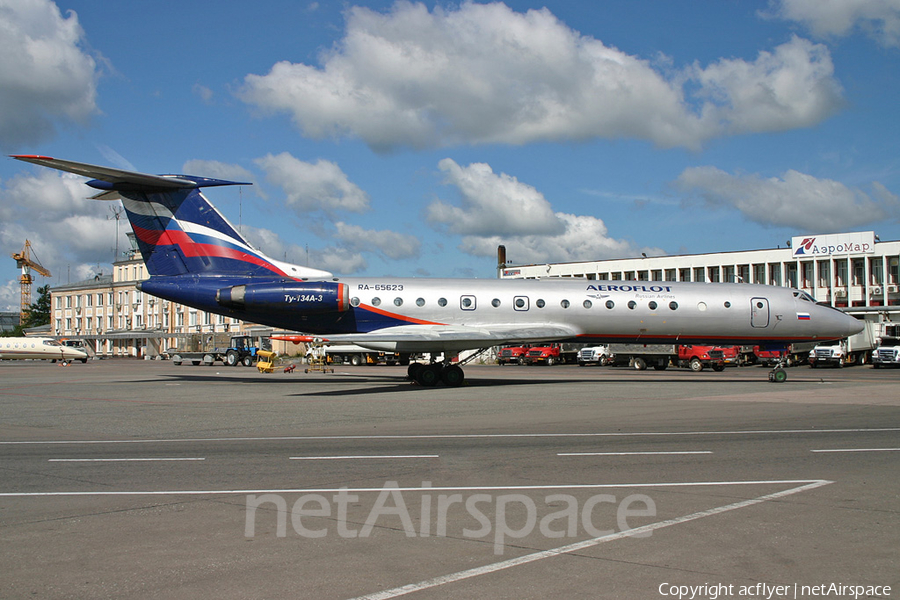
(452, 338)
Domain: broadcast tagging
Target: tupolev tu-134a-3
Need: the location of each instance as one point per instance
(195, 257)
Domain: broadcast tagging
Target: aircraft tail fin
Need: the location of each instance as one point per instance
(179, 232)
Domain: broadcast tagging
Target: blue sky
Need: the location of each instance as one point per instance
(411, 138)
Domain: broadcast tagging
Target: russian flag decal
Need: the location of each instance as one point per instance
(803, 316)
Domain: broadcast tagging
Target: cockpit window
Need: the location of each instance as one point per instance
(804, 297)
(51, 343)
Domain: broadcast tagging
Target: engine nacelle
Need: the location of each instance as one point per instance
(300, 296)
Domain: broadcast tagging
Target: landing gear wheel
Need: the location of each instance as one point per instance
(412, 371)
(453, 376)
(778, 375)
(429, 375)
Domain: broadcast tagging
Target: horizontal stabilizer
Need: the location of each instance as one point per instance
(108, 178)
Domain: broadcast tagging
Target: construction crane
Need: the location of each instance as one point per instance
(24, 261)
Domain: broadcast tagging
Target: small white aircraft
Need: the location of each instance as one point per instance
(39, 348)
(196, 257)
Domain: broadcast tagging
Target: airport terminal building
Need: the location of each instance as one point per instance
(117, 320)
(853, 271)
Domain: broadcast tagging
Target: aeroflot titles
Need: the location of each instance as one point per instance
(629, 288)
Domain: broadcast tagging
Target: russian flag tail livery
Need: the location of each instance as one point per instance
(178, 231)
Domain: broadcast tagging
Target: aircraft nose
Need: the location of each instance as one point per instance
(854, 325)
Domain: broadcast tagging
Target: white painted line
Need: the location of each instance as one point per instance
(528, 558)
(632, 453)
(118, 459)
(859, 450)
(363, 456)
(498, 488)
(451, 436)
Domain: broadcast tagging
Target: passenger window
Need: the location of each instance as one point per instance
(673, 305)
(587, 304)
(610, 304)
(442, 302)
(652, 305)
(495, 303)
(398, 301)
(632, 304)
(564, 304)
(420, 302)
(541, 303)
(376, 301)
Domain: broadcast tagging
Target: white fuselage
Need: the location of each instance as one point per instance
(38, 348)
(601, 311)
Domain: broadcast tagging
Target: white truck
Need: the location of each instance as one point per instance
(640, 356)
(854, 350)
(593, 355)
(887, 354)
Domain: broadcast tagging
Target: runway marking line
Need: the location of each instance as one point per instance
(451, 436)
(672, 453)
(121, 459)
(363, 456)
(859, 450)
(575, 547)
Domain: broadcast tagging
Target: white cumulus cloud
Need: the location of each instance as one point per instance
(319, 186)
(498, 209)
(484, 73)
(794, 199)
(880, 19)
(45, 75)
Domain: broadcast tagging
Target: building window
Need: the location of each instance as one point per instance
(729, 274)
(759, 274)
(743, 273)
(877, 271)
(824, 274)
(808, 274)
(859, 271)
(684, 274)
(699, 274)
(714, 274)
(840, 271)
(670, 275)
(774, 274)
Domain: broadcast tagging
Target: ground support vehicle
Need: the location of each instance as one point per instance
(640, 356)
(512, 355)
(792, 355)
(357, 355)
(855, 350)
(542, 355)
(887, 354)
(240, 351)
(265, 361)
(696, 358)
(593, 355)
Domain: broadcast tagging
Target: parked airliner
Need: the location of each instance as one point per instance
(39, 348)
(195, 257)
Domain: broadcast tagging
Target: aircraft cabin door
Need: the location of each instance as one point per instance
(759, 312)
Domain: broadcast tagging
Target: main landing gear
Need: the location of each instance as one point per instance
(430, 375)
(450, 373)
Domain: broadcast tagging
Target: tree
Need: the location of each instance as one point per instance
(39, 312)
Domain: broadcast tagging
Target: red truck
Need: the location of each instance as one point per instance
(698, 357)
(512, 355)
(543, 355)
